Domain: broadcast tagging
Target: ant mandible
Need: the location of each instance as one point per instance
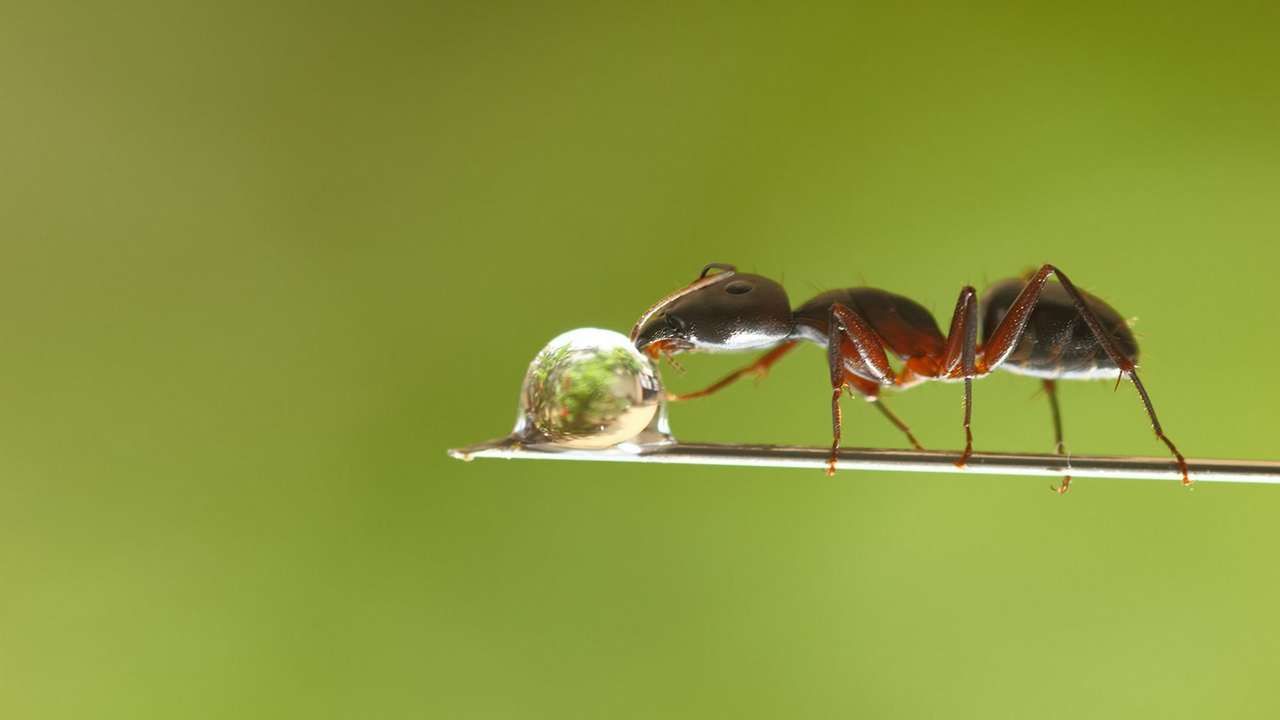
(1050, 331)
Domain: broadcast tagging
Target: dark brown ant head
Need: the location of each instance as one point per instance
(722, 311)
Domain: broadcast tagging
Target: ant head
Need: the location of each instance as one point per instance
(727, 310)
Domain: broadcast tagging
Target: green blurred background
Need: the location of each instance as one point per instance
(263, 263)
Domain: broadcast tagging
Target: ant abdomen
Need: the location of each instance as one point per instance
(1057, 342)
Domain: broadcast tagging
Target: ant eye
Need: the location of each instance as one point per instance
(738, 288)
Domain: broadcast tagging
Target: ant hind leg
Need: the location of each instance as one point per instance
(1009, 332)
(1051, 389)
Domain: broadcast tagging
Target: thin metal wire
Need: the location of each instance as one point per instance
(781, 456)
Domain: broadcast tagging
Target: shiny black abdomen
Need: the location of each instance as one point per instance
(906, 326)
(1057, 342)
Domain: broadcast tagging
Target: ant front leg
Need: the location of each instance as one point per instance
(759, 368)
(851, 341)
(1009, 332)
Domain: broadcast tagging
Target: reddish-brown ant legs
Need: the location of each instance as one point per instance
(759, 368)
(851, 344)
(861, 327)
(871, 393)
(961, 358)
(1010, 330)
(856, 353)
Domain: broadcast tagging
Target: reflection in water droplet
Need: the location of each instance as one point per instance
(591, 389)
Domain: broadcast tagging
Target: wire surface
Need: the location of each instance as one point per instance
(781, 456)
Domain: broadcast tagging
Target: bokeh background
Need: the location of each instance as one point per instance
(264, 262)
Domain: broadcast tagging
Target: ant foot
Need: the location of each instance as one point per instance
(831, 464)
(1063, 488)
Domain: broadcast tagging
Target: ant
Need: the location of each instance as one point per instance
(1050, 331)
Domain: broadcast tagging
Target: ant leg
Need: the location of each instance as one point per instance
(871, 391)
(758, 368)
(961, 358)
(850, 338)
(1051, 389)
(845, 324)
(897, 422)
(835, 429)
(1005, 338)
